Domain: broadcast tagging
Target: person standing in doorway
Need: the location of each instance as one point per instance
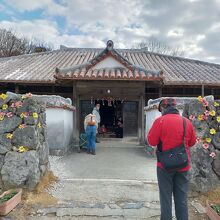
(97, 116)
(169, 131)
(90, 126)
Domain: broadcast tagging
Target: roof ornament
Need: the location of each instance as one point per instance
(110, 45)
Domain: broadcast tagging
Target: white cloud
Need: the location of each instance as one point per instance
(23, 5)
(40, 29)
(177, 32)
(47, 31)
(91, 23)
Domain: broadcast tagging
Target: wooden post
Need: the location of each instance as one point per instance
(160, 91)
(141, 126)
(203, 90)
(53, 89)
(16, 89)
(76, 113)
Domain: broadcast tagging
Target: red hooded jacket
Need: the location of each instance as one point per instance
(169, 129)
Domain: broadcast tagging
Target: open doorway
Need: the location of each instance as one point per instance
(111, 113)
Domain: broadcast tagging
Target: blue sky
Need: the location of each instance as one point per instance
(192, 25)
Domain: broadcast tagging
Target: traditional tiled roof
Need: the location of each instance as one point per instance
(137, 64)
(126, 70)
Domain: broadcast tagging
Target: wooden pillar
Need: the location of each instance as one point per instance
(53, 89)
(203, 90)
(160, 91)
(16, 89)
(76, 114)
(141, 119)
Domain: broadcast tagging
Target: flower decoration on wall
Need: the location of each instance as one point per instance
(3, 96)
(22, 149)
(18, 104)
(39, 125)
(211, 117)
(2, 116)
(27, 95)
(216, 104)
(22, 126)
(9, 136)
(24, 115)
(5, 106)
(35, 115)
(9, 114)
(212, 154)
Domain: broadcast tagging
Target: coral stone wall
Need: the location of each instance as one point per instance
(24, 150)
(205, 155)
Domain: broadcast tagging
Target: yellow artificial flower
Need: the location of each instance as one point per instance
(22, 115)
(201, 117)
(212, 113)
(5, 106)
(35, 115)
(39, 125)
(9, 136)
(208, 140)
(212, 131)
(3, 96)
(199, 98)
(1, 117)
(22, 149)
(22, 126)
(216, 104)
(218, 119)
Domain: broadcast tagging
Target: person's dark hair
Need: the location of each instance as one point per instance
(166, 102)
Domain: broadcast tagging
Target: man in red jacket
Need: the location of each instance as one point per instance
(169, 130)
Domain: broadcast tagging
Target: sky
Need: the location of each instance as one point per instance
(192, 25)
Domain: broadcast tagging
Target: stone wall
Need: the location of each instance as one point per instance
(205, 155)
(204, 114)
(23, 144)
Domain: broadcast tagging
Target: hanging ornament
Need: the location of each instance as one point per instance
(91, 100)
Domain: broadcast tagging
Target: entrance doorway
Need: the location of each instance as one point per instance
(111, 119)
(111, 114)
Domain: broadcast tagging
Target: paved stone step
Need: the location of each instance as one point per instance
(123, 209)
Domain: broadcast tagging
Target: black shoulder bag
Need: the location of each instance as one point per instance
(176, 158)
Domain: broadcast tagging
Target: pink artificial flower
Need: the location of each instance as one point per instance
(26, 114)
(198, 140)
(205, 103)
(205, 146)
(9, 114)
(18, 104)
(213, 154)
(28, 95)
(21, 126)
(192, 117)
(206, 113)
(205, 117)
(13, 105)
(2, 114)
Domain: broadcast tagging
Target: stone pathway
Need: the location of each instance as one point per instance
(118, 183)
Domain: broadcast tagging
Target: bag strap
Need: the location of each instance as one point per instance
(160, 145)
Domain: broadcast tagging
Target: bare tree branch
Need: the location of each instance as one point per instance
(153, 45)
(12, 45)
